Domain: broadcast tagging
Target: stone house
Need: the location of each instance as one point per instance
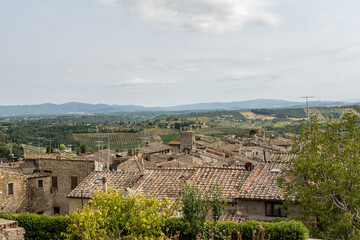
(64, 175)
(100, 180)
(25, 192)
(40, 198)
(154, 148)
(175, 146)
(13, 191)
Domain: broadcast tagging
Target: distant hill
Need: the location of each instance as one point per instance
(84, 108)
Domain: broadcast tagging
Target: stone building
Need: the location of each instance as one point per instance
(101, 180)
(154, 148)
(175, 146)
(40, 198)
(252, 194)
(21, 192)
(65, 174)
(187, 141)
(13, 191)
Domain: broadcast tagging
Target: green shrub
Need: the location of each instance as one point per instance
(39, 226)
(174, 225)
(291, 229)
(278, 230)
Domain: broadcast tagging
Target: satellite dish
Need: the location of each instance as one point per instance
(249, 166)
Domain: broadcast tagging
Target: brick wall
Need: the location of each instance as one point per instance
(9, 230)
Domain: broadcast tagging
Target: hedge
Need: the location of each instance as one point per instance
(39, 226)
(45, 227)
(289, 230)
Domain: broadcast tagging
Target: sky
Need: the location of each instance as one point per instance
(168, 52)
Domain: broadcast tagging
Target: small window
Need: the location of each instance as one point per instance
(10, 188)
(74, 182)
(40, 183)
(272, 209)
(54, 182)
(56, 210)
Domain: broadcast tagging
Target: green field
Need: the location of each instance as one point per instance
(120, 140)
(170, 137)
(116, 139)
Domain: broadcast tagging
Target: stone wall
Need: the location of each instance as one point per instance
(77, 203)
(40, 197)
(64, 170)
(9, 230)
(16, 201)
(254, 209)
(187, 141)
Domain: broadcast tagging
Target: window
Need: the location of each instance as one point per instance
(10, 188)
(74, 182)
(56, 210)
(271, 209)
(54, 182)
(40, 183)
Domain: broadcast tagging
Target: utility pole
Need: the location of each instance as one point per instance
(50, 146)
(307, 107)
(108, 158)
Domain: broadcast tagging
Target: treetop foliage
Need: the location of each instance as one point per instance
(325, 177)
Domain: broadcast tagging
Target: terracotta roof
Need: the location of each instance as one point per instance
(229, 148)
(159, 158)
(154, 147)
(114, 180)
(135, 165)
(174, 143)
(262, 183)
(279, 157)
(45, 156)
(210, 150)
(173, 163)
(129, 165)
(38, 175)
(164, 182)
(281, 141)
(103, 154)
(231, 179)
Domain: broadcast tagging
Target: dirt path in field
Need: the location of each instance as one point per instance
(251, 115)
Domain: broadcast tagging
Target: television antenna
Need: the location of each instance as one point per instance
(307, 106)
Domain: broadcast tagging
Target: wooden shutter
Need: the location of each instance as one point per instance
(54, 182)
(74, 182)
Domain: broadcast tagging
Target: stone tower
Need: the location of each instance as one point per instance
(187, 141)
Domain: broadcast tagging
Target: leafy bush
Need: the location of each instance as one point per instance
(246, 230)
(113, 215)
(39, 226)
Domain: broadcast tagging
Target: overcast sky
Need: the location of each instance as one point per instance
(171, 52)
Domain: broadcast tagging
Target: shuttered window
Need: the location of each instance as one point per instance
(54, 182)
(74, 182)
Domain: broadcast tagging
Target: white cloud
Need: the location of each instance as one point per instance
(140, 82)
(215, 16)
